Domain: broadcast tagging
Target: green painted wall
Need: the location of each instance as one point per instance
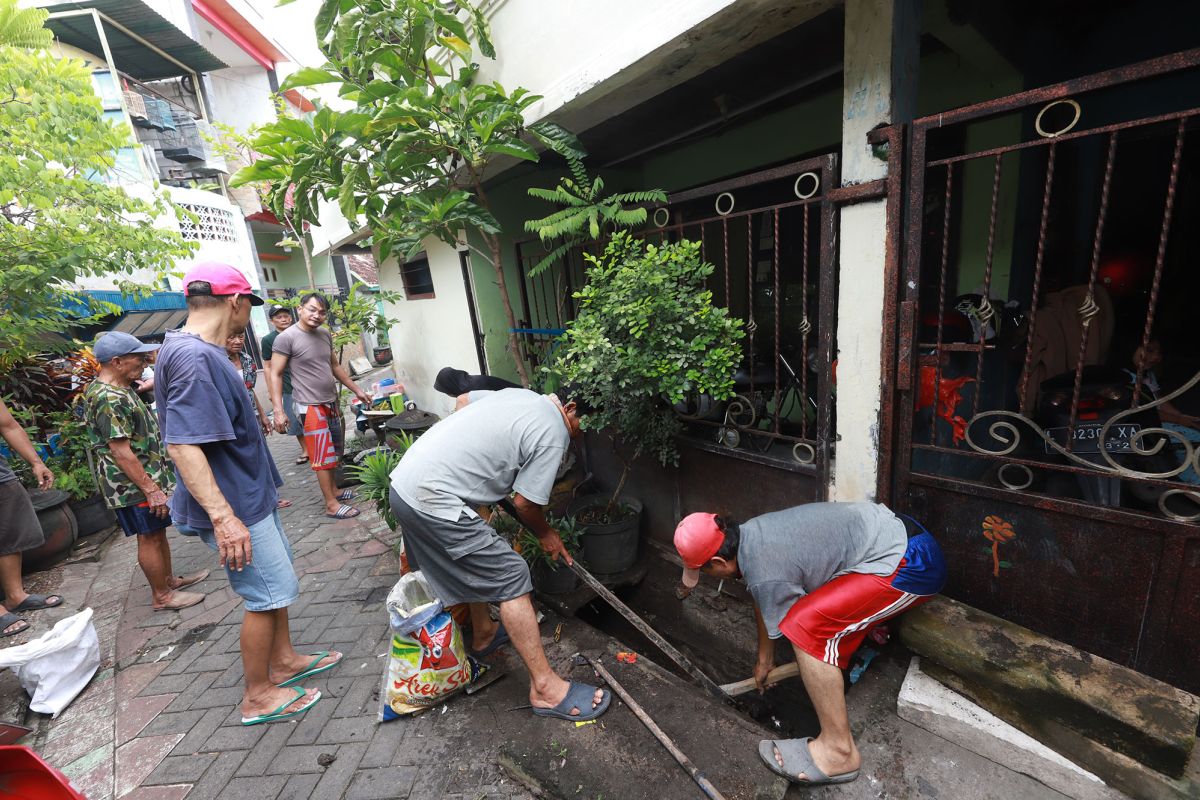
(291, 273)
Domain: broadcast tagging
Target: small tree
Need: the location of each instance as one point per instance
(59, 221)
(647, 335)
(409, 158)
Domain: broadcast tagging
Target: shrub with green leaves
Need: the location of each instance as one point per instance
(647, 335)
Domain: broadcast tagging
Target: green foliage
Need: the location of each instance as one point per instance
(407, 156)
(585, 212)
(23, 27)
(59, 222)
(647, 335)
(374, 473)
(356, 313)
(528, 545)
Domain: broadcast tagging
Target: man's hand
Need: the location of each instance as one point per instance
(43, 476)
(363, 398)
(157, 499)
(265, 425)
(553, 546)
(761, 669)
(280, 419)
(233, 543)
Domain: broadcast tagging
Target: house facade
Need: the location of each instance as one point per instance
(958, 236)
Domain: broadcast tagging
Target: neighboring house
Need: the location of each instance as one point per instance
(907, 190)
(169, 69)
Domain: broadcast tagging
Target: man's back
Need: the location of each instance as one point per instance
(202, 401)
(511, 440)
(309, 355)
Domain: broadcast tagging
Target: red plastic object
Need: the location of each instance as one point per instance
(25, 776)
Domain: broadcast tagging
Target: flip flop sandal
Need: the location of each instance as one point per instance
(301, 460)
(188, 580)
(797, 759)
(498, 641)
(36, 602)
(283, 503)
(346, 494)
(277, 714)
(313, 669)
(578, 696)
(9, 619)
(345, 512)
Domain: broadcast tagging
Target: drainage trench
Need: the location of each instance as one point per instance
(715, 631)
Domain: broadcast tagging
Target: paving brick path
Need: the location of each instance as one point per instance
(161, 719)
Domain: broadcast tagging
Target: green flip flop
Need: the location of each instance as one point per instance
(277, 714)
(312, 669)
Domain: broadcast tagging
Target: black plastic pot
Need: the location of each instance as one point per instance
(558, 579)
(383, 355)
(58, 528)
(91, 515)
(610, 548)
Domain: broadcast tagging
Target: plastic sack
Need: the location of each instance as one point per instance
(428, 660)
(55, 667)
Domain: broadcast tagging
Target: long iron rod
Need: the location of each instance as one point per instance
(679, 658)
(691, 769)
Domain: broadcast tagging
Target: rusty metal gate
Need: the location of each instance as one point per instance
(1047, 363)
(770, 236)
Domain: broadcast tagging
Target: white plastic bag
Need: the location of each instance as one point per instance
(55, 667)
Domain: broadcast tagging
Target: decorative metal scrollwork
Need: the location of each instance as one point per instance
(810, 453)
(1045, 134)
(1004, 430)
(805, 326)
(1025, 482)
(666, 217)
(740, 412)
(1088, 308)
(717, 203)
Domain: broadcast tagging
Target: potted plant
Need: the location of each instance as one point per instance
(646, 337)
(549, 576)
(373, 471)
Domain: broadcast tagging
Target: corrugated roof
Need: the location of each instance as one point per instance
(131, 56)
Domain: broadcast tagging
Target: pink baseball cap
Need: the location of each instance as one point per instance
(223, 278)
(697, 538)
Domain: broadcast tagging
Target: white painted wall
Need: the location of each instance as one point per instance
(241, 97)
(427, 335)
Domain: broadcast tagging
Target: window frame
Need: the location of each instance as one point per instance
(409, 293)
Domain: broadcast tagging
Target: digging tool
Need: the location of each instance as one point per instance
(705, 785)
(748, 685)
(599, 588)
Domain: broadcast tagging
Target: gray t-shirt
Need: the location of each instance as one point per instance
(787, 554)
(507, 441)
(309, 357)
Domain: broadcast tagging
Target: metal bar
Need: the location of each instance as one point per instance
(524, 289)
(464, 260)
(725, 238)
(805, 325)
(893, 136)
(987, 282)
(1067, 137)
(941, 312)
(859, 192)
(1159, 259)
(662, 644)
(752, 179)
(1037, 277)
(1090, 301)
(688, 767)
(1132, 72)
(751, 325)
(826, 326)
(116, 77)
(779, 324)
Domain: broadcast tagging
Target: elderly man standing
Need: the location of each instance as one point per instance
(227, 492)
(306, 349)
(504, 442)
(134, 474)
(19, 528)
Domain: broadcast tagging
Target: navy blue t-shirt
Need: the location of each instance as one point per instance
(202, 401)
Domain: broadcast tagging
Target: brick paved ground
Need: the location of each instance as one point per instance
(161, 718)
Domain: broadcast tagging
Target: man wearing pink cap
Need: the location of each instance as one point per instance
(227, 488)
(821, 575)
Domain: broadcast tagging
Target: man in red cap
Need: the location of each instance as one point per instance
(821, 575)
(227, 488)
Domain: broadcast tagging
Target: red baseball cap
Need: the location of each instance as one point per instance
(697, 538)
(223, 278)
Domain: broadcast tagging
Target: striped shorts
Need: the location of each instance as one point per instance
(830, 623)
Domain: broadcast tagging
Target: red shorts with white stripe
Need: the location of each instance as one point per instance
(830, 623)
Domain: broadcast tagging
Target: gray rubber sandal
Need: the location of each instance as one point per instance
(578, 696)
(796, 760)
(9, 619)
(36, 602)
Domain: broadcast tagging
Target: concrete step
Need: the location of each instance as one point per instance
(1046, 687)
(936, 708)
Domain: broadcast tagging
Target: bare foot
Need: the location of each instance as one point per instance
(282, 672)
(827, 760)
(270, 701)
(550, 697)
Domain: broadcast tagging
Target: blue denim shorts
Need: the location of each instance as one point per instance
(136, 520)
(269, 581)
(295, 421)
